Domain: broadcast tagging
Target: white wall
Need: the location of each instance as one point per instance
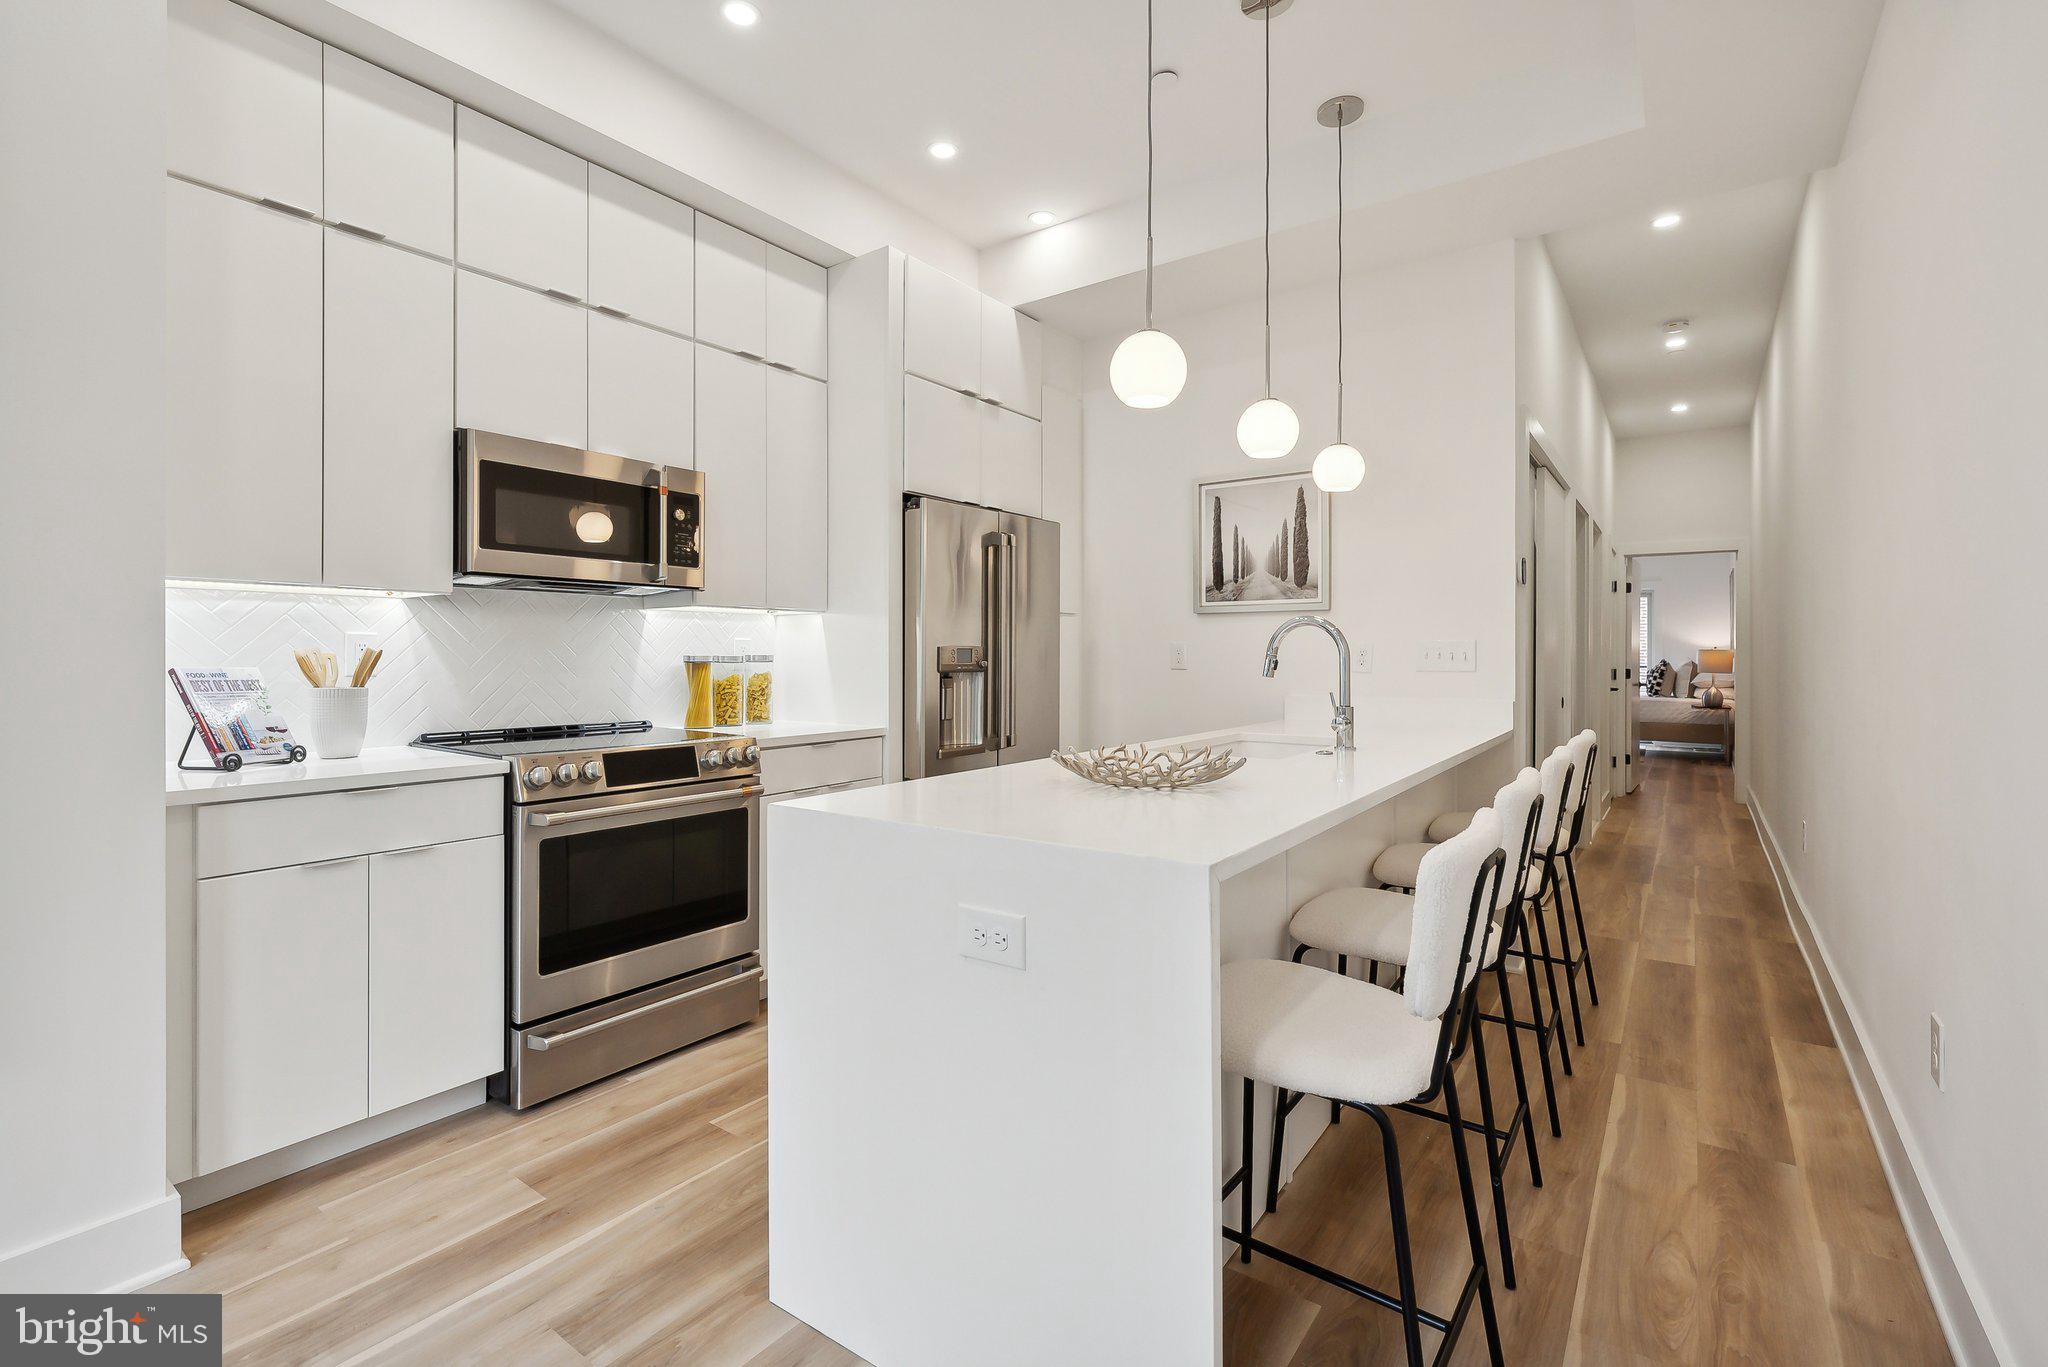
(1689, 486)
(1690, 604)
(1899, 497)
(1423, 550)
(84, 1204)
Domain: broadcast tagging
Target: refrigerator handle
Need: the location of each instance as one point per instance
(994, 635)
(1009, 681)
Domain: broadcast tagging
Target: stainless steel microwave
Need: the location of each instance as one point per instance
(531, 514)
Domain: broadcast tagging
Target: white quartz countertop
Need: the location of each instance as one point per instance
(1285, 793)
(774, 735)
(379, 767)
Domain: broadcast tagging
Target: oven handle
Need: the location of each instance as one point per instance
(543, 1043)
(634, 808)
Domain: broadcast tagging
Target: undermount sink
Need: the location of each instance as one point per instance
(1273, 746)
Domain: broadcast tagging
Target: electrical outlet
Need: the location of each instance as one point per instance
(997, 936)
(1449, 657)
(353, 644)
(1365, 659)
(1177, 655)
(1934, 1051)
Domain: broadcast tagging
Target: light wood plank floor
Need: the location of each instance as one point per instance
(1716, 1196)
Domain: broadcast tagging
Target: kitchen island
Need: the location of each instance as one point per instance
(1015, 1158)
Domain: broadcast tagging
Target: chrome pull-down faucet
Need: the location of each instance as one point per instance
(1340, 701)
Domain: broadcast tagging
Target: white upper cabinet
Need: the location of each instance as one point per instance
(941, 441)
(642, 253)
(640, 392)
(243, 410)
(1009, 461)
(522, 207)
(797, 493)
(796, 312)
(732, 288)
(521, 362)
(941, 328)
(1061, 482)
(1012, 357)
(732, 451)
(243, 103)
(390, 163)
(388, 474)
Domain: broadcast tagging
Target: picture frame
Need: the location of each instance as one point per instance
(1262, 544)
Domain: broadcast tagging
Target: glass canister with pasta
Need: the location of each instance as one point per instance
(760, 689)
(697, 676)
(728, 690)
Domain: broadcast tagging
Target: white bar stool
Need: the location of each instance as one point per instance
(1308, 1030)
(1584, 749)
(1376, 924)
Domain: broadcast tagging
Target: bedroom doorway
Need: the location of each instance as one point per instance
(1683, 620)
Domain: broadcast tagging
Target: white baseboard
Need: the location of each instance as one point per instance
(123, 1252)
(207, 1188)
(1973, 1336)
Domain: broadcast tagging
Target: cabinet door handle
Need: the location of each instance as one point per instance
(360, 231)
(328, 863)
(783, 365)
(608, 309)
(992, 401)
(294, 210)
(750, 355)
(564, 296)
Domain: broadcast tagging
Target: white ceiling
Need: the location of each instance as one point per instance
(1045, 98)
(1722, 268)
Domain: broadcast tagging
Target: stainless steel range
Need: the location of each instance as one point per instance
(634, 895)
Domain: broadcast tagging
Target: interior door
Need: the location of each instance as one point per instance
(1638, 613)
(1552, 511)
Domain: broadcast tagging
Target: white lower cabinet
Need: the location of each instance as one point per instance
(800, 759)
(437, 969)
(282, 978)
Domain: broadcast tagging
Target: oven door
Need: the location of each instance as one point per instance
(538, 511)
(613, 893)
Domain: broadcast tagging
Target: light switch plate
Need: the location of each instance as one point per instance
(1449, 657)
(996, 936)
(1177, 655)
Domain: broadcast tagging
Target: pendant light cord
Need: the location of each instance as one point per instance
(1266, 24)
(1340, 280)
(1148, 165)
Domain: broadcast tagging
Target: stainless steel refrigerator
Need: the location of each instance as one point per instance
(981, 637)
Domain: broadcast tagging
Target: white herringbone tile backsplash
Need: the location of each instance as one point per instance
(477, 657)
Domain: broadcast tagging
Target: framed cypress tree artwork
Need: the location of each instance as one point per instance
(1262, 545)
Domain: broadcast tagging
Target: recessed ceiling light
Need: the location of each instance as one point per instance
(943, 151)
(740, 14)
(1675, 342)
(1666, 221)
(1044, 218)
(1681, 407)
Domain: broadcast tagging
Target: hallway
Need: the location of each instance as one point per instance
(1716, 1195)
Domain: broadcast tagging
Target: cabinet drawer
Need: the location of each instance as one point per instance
(236, 837)
(791, 767)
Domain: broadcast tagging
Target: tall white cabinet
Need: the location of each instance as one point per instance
(973, 369)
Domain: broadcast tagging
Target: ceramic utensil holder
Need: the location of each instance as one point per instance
(337, 721)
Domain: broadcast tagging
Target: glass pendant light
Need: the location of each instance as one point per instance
(1268, 429)
(1339, 467)
(1148, 368)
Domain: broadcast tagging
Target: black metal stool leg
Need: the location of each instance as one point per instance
(1279, 1147)
(1397, 1208)
(1579, 913)
(1553, 1024)
(1564, 948)
(1493, 1155)
(1472, 1233)
(1244, 1206)
(1337, 1108)
(1514, 1031)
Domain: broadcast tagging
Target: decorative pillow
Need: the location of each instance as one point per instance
(1687, 672)
(1659, 674)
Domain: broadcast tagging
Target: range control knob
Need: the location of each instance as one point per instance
(733, 754)
(565, 773)
(753, 753)
(592, 771)
(539, 775)
(713, 757)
